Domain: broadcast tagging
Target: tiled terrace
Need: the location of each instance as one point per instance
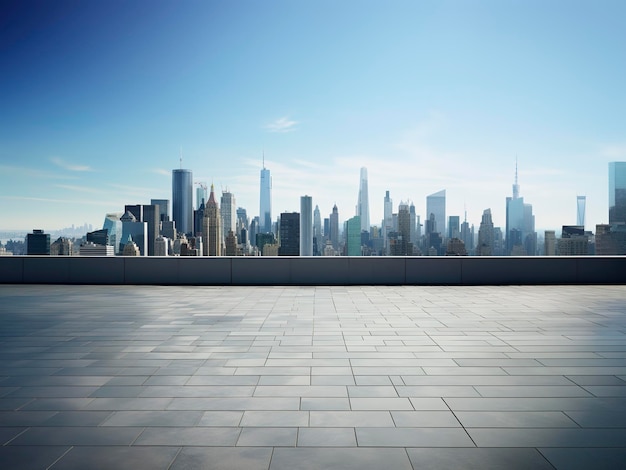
(355, 377)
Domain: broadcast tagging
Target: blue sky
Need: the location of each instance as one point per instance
(97, 99)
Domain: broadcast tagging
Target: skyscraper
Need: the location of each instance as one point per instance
(387, 220)
(228, 209)
(289, 234)
(164, 208)
(334, 228)
(212, 228)
(454, 229)
(353, 236)
(581, 202)
(265, 210)
(306, 226)
(520, 223)
(485, 235)
(617, 193)
(182, 200)
(363, 206)
(436, 204)
(201, 194)
(317, 230)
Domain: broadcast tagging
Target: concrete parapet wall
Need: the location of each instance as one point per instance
(312, 270)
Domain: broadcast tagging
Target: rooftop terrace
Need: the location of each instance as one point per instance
(352, 377)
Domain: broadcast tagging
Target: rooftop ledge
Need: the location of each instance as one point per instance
(313, 270)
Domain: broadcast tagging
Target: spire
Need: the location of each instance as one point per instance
(515, 185)
(212, 195)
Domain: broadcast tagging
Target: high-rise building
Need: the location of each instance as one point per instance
(617, 193)
(363, 206)
(403, 245)
(113, 225)
(289, 234)
(467, 235)
(574, 241)
(436, 204)
(387, 219)
(549, 243)
(317, 230)
(182, 200)
(198, 219)
(161, 246)
(202, 193)
(413, 227)
(164, 208)
(334, 228)
(231, 244)
(306, 226)
(520, 235)
(61, 247)
(149, 214)
(353, 236)
(135, 231)
(212, 227)
(581, 202)
(265, 209)
(454, 229)
(228, 210)
(485, 235)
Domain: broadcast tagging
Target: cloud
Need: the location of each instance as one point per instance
(81, 189)
(161, 171)
(615, 151)
(281, 125)
(68, 166)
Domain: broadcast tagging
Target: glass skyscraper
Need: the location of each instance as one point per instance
(436, 205)
(182, 200)
(363, 206)
(617, 192)
(306, 226)
(265, 209)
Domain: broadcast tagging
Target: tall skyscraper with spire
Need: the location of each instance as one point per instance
(212, 227)
(265, 209)
(363, 206)
(581, 202)
(387, 220)
(228, 209)
(520, 223)
(182, 200)
(334, 227)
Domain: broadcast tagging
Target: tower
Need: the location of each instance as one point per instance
(436, 205)
(317, 230)
(363, 208)
(485, 235)
(212, 228)
(265, 209)
(289, 234)
(182, 200)
(334, 228)
(581, 202)
(228, 209)
(306, 226)
(520, 223)
(617, 193)
(387, 219)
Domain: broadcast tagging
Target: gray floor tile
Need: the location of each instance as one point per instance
(424, 419)
(77, 436)
(191, 436)
(515, 419)
(320, 458)
(413, 437)
(477, 459)
(268, 437)
(30, 457)
(326, 437)
(223, 458)
(153, 418)
(585, 458)
(534, 437)
(275, 418)
(105, 458)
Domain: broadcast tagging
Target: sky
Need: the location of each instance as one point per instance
(99, 100)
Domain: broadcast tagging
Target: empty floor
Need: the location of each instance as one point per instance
(354, 377)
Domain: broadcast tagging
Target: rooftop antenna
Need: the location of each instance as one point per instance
(181, 157)
(465, 209)
(264, 159)
(516, 185)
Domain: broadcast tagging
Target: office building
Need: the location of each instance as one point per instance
(485, 235)
(306, 226)
(231, 244)
(265, 209)
(198, 220)
(113, 225)
(38, 243)
(131, 248)
(93, 249)
(520, 235)
(212, 227)
(317, 231)
(61, 247)
(182, 200)
(161, 246)
(136, 230)
(573, 242)
(99, 237)
(436, 205)
(413, 227)
(353, 236)
(454, 228)
(289, 237)
(617, 193)
(363, 207)
(150, 214)
(455, 247)
(334, 228)
(581, 202)
(202, 194)
(228, 211)
(387, 219)
(164, 208)
(549, 243)
(611, 239)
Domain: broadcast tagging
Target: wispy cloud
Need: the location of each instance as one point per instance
(81, 189)
(161, 171)
(281, 125)
(18, 171)
(69, 166)
(615, 151)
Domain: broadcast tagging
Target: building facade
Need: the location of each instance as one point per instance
(182, 200)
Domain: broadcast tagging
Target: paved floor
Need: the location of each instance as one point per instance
(312, 377)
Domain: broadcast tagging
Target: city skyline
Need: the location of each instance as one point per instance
(445, 97)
